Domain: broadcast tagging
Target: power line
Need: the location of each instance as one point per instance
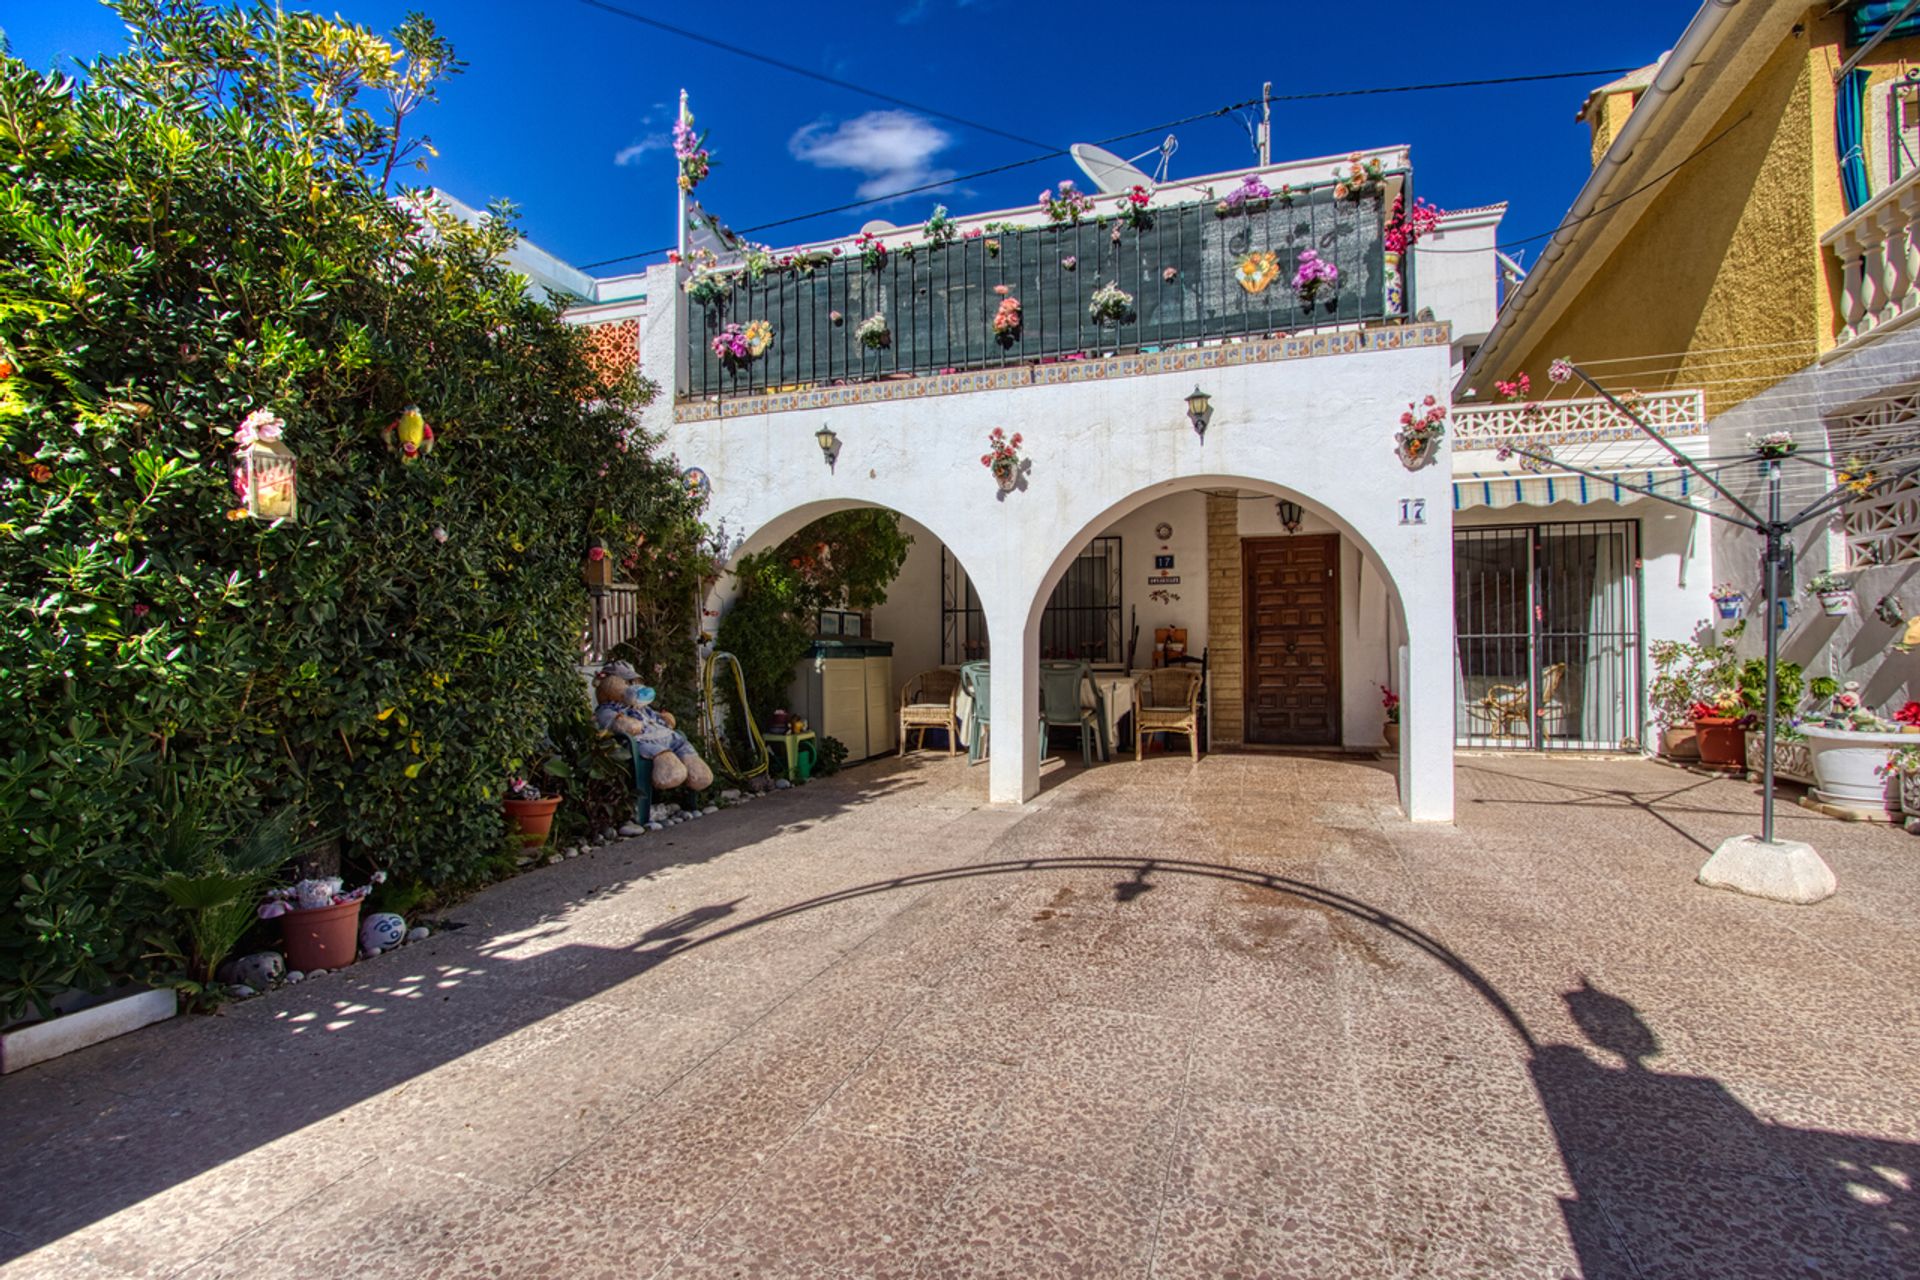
(1052, 153)
(823, 78)
(936, 186)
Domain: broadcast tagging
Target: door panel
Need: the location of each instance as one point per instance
(1292, 611)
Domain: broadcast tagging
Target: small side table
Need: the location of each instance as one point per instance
(797, 749)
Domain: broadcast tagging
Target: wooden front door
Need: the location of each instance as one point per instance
(1292, 612)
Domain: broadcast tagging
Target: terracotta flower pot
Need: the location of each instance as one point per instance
(1723, 743)
(322, 937)
(1680, 743)
(1393, 736)
(533, 819)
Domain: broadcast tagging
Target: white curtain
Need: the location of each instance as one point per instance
(1603, 689)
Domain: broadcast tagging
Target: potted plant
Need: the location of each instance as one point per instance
(1311, 275)
(1902, 770)
(1110, 304)
(1850, 745)
(529, 811)
(1728, 599)
(1390, 703)
(1720, 732)
(319, 920)
(1834, 591)
(1003, 459)
(1685, 675)
(1422, 427)
(1908, 717)
(1775, 444)
(873, 332)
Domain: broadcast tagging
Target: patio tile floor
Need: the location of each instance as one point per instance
(1233, 1020)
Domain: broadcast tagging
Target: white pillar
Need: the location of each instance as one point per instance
(1426, 716)
(1013, 761)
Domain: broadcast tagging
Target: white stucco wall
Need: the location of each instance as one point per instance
(1318, 429)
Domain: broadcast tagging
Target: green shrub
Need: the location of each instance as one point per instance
(206, 226)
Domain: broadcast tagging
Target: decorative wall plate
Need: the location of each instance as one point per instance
(1163, 531)
(1257, 270)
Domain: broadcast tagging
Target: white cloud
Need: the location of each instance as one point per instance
(892, 150)
(631, 154)
(918, 9)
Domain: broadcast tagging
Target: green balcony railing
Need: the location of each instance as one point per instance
(1184, 271)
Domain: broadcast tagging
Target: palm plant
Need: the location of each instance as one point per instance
(214, 884)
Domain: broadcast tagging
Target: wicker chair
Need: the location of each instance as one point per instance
(1504, 704)
(1167, 701)
(927, 702)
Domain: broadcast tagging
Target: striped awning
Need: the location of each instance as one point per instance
(1518, 489)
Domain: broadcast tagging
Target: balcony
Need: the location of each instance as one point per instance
(1876, 251)
(1592, 420)
(1194, 276)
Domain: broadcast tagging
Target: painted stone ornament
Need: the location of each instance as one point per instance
(381, 930)
(260, 970)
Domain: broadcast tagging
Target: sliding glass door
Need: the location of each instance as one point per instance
(1547, 636)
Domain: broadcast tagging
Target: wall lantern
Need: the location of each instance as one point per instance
(829, 445)
(264, 470)
(1291, 515)
(1199, 410)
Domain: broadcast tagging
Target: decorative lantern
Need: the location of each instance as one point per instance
(1199, 409)
(829, 445)
(1291, 516)
(264, 470)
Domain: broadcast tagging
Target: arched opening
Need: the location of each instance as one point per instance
(1290, 617)
(862, 658)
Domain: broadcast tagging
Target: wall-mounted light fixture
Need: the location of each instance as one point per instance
(829, 445)
(1199, 411)
(1291, 515)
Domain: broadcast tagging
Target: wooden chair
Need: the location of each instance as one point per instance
(928, 701)
(1504, 704)
(1167, 700)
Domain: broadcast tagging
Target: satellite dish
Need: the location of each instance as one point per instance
(1108, 172)
(877, 227)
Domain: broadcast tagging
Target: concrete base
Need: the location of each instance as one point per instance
(1785, 871)
(40, 1041)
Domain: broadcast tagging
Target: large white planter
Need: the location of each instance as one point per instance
(1846, 769)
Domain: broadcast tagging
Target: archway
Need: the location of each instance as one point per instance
(1206, 576)
(867, 657)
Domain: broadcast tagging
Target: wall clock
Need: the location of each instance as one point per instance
(1163, 531)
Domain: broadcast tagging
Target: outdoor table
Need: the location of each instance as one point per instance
(1108, 691)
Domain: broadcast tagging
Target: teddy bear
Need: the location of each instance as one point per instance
(626, 707)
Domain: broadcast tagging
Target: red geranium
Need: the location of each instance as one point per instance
(1909, 714)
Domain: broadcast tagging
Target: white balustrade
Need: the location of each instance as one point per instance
(1875, 246)
(1585, 421)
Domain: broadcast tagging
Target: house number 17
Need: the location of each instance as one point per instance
(1413, 511)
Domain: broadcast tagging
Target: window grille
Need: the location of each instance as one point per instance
(1082, 618)
(1884, 527)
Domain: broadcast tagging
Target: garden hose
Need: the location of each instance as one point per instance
(710, 720)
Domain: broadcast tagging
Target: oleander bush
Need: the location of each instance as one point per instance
(202, 226)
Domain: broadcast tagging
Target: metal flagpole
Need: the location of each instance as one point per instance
(681, 187)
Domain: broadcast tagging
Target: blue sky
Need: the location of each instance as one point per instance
(564, 109)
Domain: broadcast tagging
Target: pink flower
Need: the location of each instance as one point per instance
(1002, 290)
(140, 611)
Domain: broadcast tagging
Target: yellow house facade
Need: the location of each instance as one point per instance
(1695, 257)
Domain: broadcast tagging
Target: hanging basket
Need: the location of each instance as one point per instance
(1836, 604)
(1730, 606)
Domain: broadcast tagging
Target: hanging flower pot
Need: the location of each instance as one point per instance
(1836, 604)
(1729, 606)
(1006, 474)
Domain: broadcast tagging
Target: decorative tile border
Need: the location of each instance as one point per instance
(1181, 360)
